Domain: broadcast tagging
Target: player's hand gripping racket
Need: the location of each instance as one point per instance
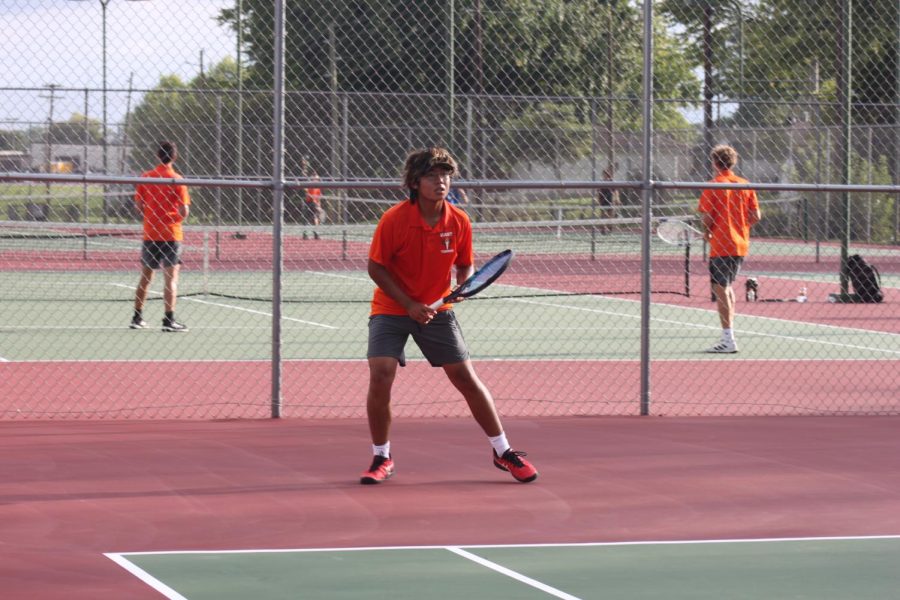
(677, 232)
(480, 279)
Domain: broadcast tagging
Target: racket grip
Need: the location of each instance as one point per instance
(436, 304)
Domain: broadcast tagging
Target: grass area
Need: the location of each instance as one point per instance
(54, 202)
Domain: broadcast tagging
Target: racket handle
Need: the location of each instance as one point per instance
(437, 304)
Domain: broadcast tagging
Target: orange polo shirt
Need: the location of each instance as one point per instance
(314, 195)
(160, 203)
(730, 211)
(420, 258)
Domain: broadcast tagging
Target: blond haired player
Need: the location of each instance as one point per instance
(728, 216)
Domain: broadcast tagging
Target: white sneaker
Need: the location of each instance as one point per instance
(723, 347)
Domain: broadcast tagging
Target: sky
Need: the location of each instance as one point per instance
(60, 42)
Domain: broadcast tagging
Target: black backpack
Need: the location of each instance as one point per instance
(865, 278)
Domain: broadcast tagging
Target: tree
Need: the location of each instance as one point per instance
(73, 131)
(13, 140)
(510, 56)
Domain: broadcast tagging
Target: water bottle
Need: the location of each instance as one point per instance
(802, 296)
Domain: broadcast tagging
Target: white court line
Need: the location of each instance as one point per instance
(146, 577)
(340, 276)
(120, 558)
(837, 538)
(512, 574)
(247, 310)
(678, 306)
(795, 338)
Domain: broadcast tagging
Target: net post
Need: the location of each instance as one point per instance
(343, 244)
(687, 269)
(84, 243)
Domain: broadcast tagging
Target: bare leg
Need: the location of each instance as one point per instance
(140, 294)
(462, 376)
(170, 293)
(725, 304)
(382, 371)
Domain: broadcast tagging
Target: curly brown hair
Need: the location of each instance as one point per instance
(420, 162)
(724, 157)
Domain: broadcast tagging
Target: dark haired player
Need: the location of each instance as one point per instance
(416, 246)
(164, 208)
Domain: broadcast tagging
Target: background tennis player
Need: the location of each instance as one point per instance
(164, 208)
(727, 218)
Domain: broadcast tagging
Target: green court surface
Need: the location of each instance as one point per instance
(521, 328)
(806, 568)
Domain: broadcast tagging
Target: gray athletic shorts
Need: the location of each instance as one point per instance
(723, 270)
(160, 254)
(441, 341)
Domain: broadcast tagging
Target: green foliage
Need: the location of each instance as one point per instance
(871, 214)
(782, 43)
(564, 51)
(13, 140)
(73, 131)
(541, 126)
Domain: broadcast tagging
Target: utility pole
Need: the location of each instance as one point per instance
(610, 152)
(240, 106)
(127, 116)
(479, 146)
(48, 146)
(708, 93)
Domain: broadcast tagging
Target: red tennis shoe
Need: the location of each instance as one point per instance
(519, 468)
(381, 470)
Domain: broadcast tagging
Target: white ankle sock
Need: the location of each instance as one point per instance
(499, 443)
(383, 450)
(728, 335)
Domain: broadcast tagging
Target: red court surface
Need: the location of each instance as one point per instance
(71, 490)
(188, 390)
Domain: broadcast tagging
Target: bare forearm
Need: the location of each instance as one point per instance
(463, 273)
(708, 224)
(755, 216)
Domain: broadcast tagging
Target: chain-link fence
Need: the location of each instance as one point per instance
(543, 103)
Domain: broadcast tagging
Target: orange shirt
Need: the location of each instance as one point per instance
(730, 211)
(314, 195)
(160, 203)
(419, 258)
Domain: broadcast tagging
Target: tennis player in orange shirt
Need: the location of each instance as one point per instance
(728, 216)
(313, 205)
(417, 245)
(164, 209)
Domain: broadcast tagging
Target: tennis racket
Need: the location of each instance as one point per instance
(480, 279)
(677, 232)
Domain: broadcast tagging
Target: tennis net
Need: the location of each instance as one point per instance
(64, 261)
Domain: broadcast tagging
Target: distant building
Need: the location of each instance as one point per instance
(73, 158)
(14, 160)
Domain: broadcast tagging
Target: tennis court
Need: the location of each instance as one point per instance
(819, 568)
(563, 314)
(140, 464)
(624, 507)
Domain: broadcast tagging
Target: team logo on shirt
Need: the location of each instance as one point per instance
(446, 241)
